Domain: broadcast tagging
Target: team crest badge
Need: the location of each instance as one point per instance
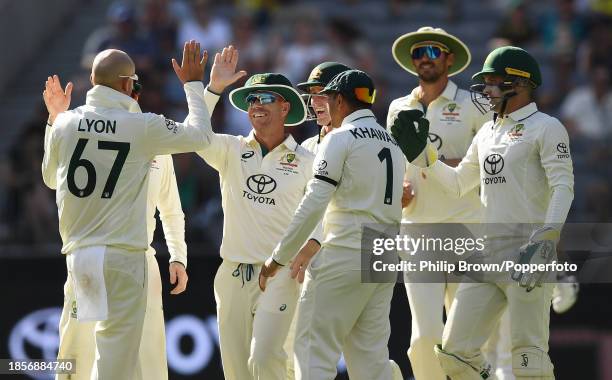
(290, 157)
(516, 132)
(452, 106)
(315, 74)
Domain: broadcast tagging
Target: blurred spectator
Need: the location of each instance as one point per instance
(562, 28)
(212, 32)
(597, 47)
(123, 33)
(587, 111)
(516, 27)
(297, 56)
(30, 205)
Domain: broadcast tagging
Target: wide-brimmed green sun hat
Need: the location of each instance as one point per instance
(403, 44)
(276, 83)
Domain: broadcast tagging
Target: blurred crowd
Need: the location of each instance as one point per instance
(572, 40)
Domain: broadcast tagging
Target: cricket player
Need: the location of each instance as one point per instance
(316, 104)
(98, 158)
(263, 178)
(78, 338)
(357, 168)
(434, 55)
(522, 162)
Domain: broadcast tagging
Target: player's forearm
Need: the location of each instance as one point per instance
(308, 214)
(199, 116)
(559, 206)
(49, 164)
(174, 233)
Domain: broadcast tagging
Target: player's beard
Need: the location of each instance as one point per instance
(430, 77)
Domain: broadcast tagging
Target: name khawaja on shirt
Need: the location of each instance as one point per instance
(372, 133)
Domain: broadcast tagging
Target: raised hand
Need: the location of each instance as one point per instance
(223, 72)
(57, 100)
(192, 66)
(410, 129)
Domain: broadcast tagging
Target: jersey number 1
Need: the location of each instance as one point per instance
(385, 155)
(76, 161)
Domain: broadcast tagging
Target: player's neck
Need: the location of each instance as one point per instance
(270, 139)
(516, 103)
(430, 91)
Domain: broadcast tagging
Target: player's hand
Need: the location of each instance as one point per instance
(178, 272)
(269, 269)
(565, 294)
(57, 100)
(301, 261)
(410, 129)
(407, 194)
(541, 249)
(223, 72)
(192, 66)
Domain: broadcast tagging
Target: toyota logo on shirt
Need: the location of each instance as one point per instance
(261, 184)
(562, 148)
(493, 164)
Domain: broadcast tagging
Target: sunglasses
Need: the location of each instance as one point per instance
(132, 77)
(261, 97)
(433, 52)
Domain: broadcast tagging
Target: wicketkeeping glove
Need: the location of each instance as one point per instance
(541, 249)
(410, 129)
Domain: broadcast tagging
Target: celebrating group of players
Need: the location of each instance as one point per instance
(289, 294)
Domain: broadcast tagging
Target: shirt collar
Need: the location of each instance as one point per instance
(289, 141)
(450, 91)
(103, 96)
(359, 114)
(524, 112)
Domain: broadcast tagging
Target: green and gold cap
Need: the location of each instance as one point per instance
(353, 83)
(276, 83)
(322, 74)
(511, 61)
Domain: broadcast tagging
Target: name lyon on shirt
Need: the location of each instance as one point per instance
(99, 126)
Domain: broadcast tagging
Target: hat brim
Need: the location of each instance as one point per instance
(297, 111)
(304, 86)
(401, 50)
(478, 76)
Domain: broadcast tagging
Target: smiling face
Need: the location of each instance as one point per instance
(430, 70)
(319, 105)
(271, 113)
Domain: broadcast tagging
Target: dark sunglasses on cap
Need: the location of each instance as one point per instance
(433, 52)
(262, 97)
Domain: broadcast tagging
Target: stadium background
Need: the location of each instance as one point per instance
(572, 40)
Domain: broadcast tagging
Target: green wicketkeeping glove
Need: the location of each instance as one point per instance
(410, 129)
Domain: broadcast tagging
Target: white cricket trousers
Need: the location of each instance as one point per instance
(253, 325)
(426, 302)
(78, 339)
(338, 313)
(476, 312)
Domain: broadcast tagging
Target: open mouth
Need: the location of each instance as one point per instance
(257, 115)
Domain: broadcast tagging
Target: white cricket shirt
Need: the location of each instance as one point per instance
(519, 161)
(358, 176)
(453, 122)
(98, 157)
(258, 194)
